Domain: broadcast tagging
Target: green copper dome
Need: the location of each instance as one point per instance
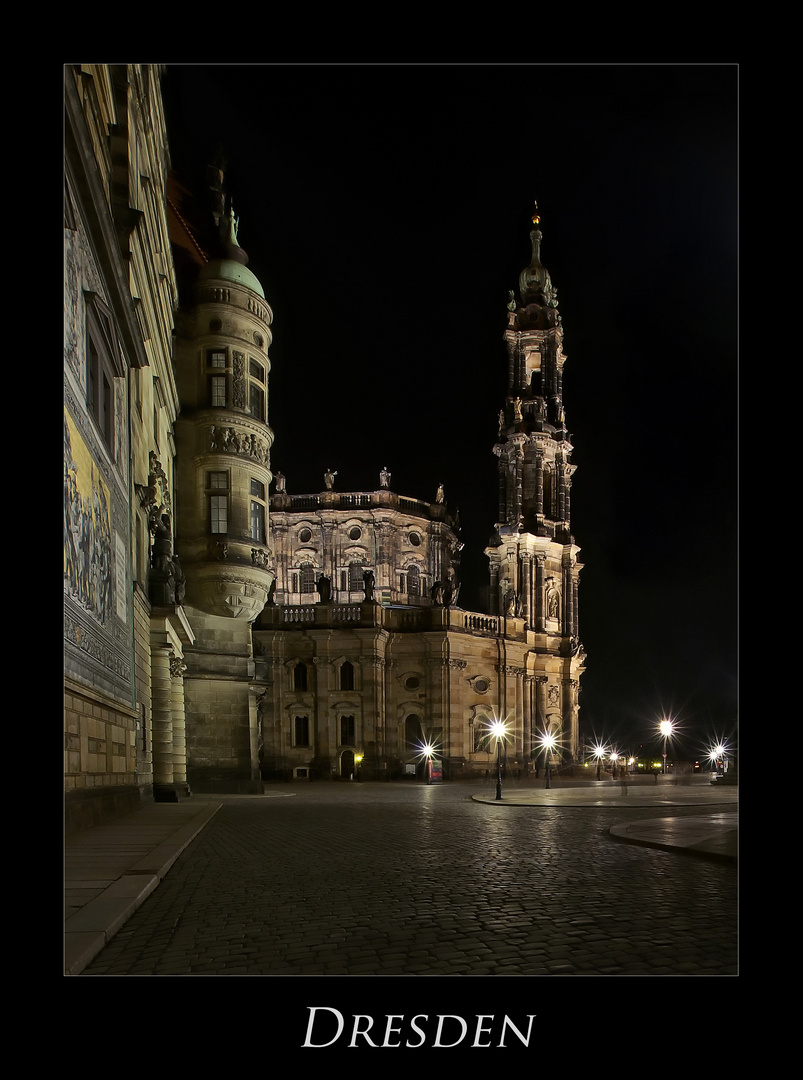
(235, 272)
(232, 265)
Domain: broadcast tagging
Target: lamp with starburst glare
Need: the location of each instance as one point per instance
(498, 730)
(599, 753)
(547, 743)
(666, 728)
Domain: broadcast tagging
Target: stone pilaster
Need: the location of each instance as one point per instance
(179, 725)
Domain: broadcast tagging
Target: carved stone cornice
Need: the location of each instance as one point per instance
(510, 669)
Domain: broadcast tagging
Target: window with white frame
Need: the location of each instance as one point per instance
(307, 578)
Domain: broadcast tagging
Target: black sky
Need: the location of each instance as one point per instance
(386, 211)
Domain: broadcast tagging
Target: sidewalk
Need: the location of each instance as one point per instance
(109, 870)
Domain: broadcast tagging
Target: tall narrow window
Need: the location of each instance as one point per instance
(346, 675)
(414, 581)
(217, 391)
(413, 733)
(217, 487)
(308, 578)
(300, 676)
(100, 371)
(347, 731)
(258, 512)
(256, 390)
(301, 731)
(355, 576)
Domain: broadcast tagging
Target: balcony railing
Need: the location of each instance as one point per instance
(360, 500)
(398, 619)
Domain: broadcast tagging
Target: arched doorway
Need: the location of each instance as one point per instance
(347, 765)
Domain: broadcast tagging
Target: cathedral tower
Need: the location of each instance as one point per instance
(534, 570)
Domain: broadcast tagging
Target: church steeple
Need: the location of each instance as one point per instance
(532, 553)
(535, 284)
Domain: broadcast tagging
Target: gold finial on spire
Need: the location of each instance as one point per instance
(536, 215)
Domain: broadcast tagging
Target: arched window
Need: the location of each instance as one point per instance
(413, 733)
(347, 732)
(300, 731)
(308, 578)
(346, 675)
(355, 577)
(300, 676)
(414, 581)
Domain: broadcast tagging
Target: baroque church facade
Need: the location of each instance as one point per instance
(220, 631)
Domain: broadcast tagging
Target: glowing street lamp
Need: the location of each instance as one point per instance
(717, 754)
(599, 752)
(498, 730)
(666, 731)
(614, 759)
(428, 751)
(548, 743)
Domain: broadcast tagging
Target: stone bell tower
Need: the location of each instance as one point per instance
(534, 570)
(224, 476)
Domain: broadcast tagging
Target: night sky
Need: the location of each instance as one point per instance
(386, 211)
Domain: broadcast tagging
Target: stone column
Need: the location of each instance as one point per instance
(372, 706)
(539, 484)
(540, 704)
(527, 713)
(570, 719)
(526, 588)
(567, 612)
(322, 719)
(539, 612)
(162, 706)
(494, 589)
(560, 479)
(177, 669)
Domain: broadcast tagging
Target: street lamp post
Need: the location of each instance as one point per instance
(498, 731)
(599, 754)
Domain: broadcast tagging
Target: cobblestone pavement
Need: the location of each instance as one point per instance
(395, 879)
